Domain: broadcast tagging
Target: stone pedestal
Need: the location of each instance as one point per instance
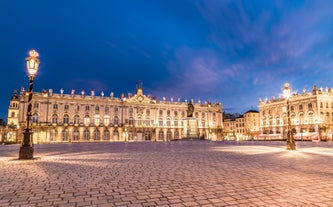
(26, 152)
(190, 128)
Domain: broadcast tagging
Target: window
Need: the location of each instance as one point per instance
(86, 119)
(106, 135)
(310, 105)
(147, 112)
(175, 122)
(168, 122)
(87, 108)
(161, 113)
(183, 113)
(13, 114)
(34, 118)
(78, 108)
(115, 109)
(115, 120)
(53, 135)
(64, 135)
(300, 107)
(130, 110)
(66, 119)
(36, 105)
(160, 122)
(96, 134)
(107, 109)
(86, 134)
(321, 104)
(55, 106)
(139, 121)
(54, 118)
(147, 121)
(96, 119)
(66, 107)
(175, 113)
(76, 119)
(131, 121)
(168, 112)
(106, 120)
(76, 135)
(97, 108)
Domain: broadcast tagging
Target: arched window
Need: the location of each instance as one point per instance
(175, 113)
(161, 112)
(76, 119)
(131, 121)
(86, 134)
(87, 108)
(115, 120)
(35, 118)
(106, 120)
(76, 135)
(66, 119)
(86, 119)
(97, 108)
(139, 121)
(54, 118)
(106, 135)
(96, 119)
(97, 134)
(168, 112)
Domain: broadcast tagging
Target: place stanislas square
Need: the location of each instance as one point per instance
(176, 173)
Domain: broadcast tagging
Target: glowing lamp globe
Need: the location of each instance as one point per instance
(32, 62)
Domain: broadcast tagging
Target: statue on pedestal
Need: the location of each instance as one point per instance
(190, 109)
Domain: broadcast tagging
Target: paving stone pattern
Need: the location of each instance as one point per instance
(178, 173)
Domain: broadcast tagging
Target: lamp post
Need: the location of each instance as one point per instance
(26, 149)
(290, 137)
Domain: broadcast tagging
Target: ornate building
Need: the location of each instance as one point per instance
(90, 118)
(242, 127)
(311, 115)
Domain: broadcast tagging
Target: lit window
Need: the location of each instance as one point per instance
(54, 118)
(66, 119)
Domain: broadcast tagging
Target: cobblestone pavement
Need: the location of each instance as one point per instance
(179, 173)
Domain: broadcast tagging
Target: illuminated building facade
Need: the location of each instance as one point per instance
(242, 127)
(90, 118)
(311, 116)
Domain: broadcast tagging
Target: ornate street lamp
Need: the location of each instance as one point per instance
(26, 149)
(290, 137)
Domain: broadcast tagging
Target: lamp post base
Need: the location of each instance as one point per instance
(26, 152)
(291, 146)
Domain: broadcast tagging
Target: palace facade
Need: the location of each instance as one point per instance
(90, 118)
(311, 115)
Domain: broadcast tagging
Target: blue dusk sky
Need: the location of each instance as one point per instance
(234, 52)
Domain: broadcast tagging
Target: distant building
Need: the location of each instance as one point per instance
(90, 118)
(311, 115)
(241, 127)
